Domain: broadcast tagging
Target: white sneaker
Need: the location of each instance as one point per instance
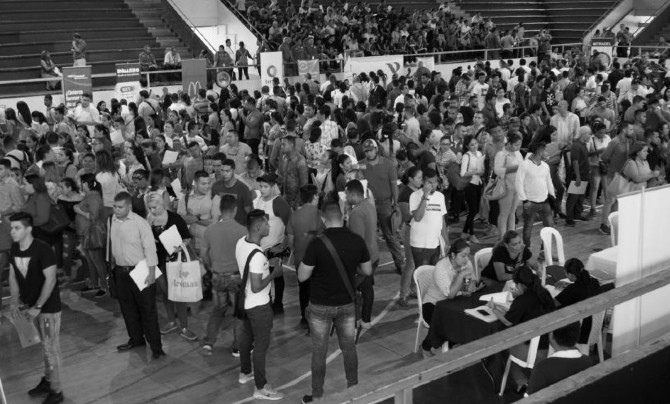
(267, 393)
(244, 379)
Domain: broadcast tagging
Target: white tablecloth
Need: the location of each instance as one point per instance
(602, 265)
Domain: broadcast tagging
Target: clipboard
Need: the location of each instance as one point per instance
(577, 190)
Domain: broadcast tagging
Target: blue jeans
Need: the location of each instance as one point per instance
(49, 329)
(255, 330)
(384, 213)
(224, 288)
(320, 320)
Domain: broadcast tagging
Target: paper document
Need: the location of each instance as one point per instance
(171, 239)
(28, 334)
(577, 190)
(500, 297)
(176, 187)
(140, 272)
(117, 137)
(483, 313)
(553, 291)
(170, 157)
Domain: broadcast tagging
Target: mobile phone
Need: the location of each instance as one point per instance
(483, 312)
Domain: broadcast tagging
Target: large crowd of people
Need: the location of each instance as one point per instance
(316, 171)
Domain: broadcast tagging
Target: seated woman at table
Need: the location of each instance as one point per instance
(582, 287)
(449, 277)
(531, 300)
(507, 256)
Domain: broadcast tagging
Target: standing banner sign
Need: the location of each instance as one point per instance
(76, 82)
(127, 81)
(272, 65)
(389, 64)
(193, 75)
(604, 46)
(309, 66)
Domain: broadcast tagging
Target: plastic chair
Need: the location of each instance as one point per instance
(613, 220)
(595, 337)
(482, 258)
(527, 362)
(547, 234)
(3, 399)
(423, 276)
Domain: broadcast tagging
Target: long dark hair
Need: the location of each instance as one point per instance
(525, 276)
(575, 267)
(38, 183)
(93, 184)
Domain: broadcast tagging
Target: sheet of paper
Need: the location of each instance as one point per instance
(500, 297)
(489, 317)
(140, 272)
(171, 239)
(577, 190)
(170, 157)
(117, 137)
(176, 187)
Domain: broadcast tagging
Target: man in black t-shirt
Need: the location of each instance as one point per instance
(580, 173)
(331, 300)
(32, 283)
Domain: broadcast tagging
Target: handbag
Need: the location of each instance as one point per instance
(95, 236)
(58, 219)
(184, 279)
(496, 188)
(620, 184)
(454, 176)
(239, 312)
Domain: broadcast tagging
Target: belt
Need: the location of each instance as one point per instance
(124, 268)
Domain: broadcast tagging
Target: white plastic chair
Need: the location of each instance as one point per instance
(613, 220)
(595, 337)
(548, 234)
(482, 258)
(423, 276)
(3, 399)
(527, 362)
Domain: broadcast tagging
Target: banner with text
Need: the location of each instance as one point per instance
(604, 46)
(193, 75)
(309, 66)
(127, 81)
(271, 66)
(389, 64)
(76, 82)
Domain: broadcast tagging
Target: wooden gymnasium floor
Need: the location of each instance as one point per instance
(93, 372)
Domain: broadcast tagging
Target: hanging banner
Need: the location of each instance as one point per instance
(604, 46)
(127, 81)
(308, 66)
(76, 82)
(389, 64)
(193, 75)
(272, 66)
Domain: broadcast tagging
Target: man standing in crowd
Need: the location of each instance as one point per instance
(428, 209)
(382, 177)
(574, 205)
(132, 242)
(292, 171)
(303, 225)
(229, 185)
(566, 124)
(274, 244)
(331, 262)
(236, 150)
(615, 156)
(534, 187)
(87, 114)
(78, 50)
(32, 283)
(363, 221)
(198, 208)
(257, 326)
(253, 124)
(11, 201)
(218, 254)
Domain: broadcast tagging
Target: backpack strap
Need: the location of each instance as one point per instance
(245, 275)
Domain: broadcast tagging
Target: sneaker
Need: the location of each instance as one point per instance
(605, 229)
(267, 393)
(308, 399)
(366, 325)
(235, 353)
(570, 223)
(474, 239)
(100, 293)
(207, 350)
(427, 354)
(244, 379)
(43, 388)
(169, 327)
(592, 212)
(188, 334)
(54, 398)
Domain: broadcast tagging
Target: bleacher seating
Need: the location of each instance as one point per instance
(113, 31)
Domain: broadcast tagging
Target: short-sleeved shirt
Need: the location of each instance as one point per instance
(220, 240)
(363, 221)
(258, 265)
(29, 266)
(303, 226)
(500, 254)
(580, 154)
(242, 195)
(326, 285)
(597, 144)
(525, 307)
(576, 292)
(237, 154)
(426, 233)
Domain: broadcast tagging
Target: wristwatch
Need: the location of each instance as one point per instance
(38, 307)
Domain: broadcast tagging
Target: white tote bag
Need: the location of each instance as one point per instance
(184, 280)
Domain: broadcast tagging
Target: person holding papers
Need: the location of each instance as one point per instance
(577, 176)
(160, 219)
(131, 243)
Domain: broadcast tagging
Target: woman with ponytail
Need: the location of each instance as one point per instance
(582, 287)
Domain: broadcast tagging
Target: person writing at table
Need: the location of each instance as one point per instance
(531, 300)
(449, 278)
(582, 287)
(507, 256)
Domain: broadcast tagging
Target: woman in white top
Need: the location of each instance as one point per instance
(505, 165)
(448, 282)
(472, 165)
(106, 174)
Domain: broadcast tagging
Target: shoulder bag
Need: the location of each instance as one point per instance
(496, 188)
(58, 220)
(454, 175)
(602, 166)
(621, 184)
(238, 311)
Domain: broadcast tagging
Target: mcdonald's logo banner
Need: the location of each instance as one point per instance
(193, 75)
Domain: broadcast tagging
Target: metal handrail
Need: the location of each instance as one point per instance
(190, 23)
(244, 19)
(602, 17)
